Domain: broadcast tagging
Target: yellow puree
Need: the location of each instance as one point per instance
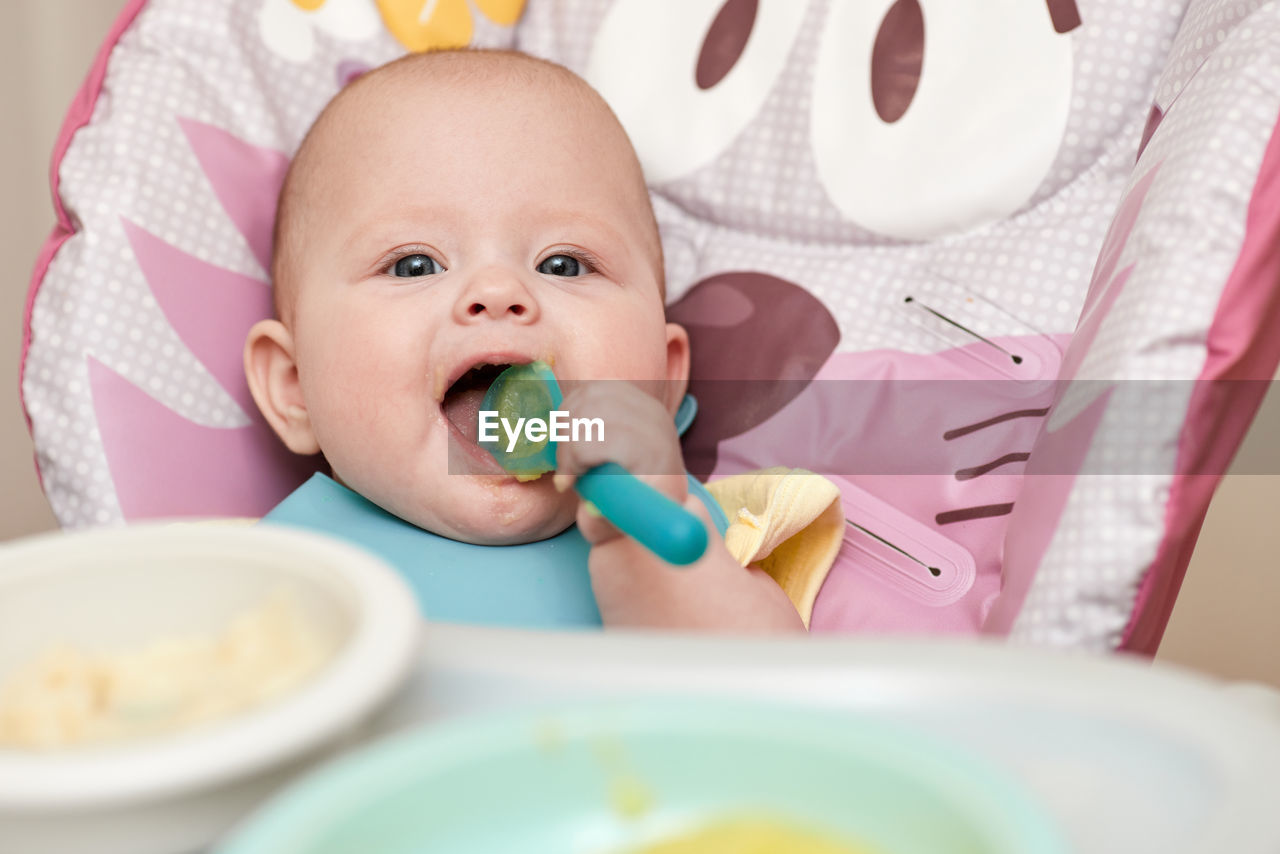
(750, 836)
(632, 799)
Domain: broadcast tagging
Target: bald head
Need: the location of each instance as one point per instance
(447, 84)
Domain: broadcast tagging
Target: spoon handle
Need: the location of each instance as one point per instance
(644, 514)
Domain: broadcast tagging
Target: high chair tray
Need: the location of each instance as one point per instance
(1130, 757)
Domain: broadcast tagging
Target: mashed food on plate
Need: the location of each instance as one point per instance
(70, 696)
(750, 836)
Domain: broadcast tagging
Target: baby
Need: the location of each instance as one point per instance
(462, 209)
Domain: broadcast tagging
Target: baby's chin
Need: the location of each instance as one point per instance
(490, 513)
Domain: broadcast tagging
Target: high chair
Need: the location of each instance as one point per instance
(1004, 270)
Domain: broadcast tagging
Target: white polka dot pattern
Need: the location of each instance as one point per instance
(1205, 26)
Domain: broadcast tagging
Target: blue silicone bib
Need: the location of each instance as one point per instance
(534, 585)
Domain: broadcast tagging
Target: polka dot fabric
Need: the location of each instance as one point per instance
(130, 400)
(1205, 26)
(1190, 238)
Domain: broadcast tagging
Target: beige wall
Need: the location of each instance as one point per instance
(1225, 621)
(46, 47)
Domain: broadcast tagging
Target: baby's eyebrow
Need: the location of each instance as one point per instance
(402, 218)
(555, 217)
(557, 224)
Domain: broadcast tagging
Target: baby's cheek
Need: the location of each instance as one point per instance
(364, 393)
(633, 351)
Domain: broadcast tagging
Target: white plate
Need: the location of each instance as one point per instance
(128, 587)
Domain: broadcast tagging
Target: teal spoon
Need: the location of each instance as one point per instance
(635, 508)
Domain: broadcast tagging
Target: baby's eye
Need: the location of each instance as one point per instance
(415, 265)
(564, 265)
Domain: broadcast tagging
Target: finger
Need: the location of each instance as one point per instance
(575, 464)
(640, 437)
(595, 529)
(617, 403)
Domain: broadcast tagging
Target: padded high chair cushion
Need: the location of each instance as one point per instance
(1175, 348)
(880, 222)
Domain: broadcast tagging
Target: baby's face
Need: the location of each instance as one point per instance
(449, 231)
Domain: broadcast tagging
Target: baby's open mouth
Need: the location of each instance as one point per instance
(462, 401)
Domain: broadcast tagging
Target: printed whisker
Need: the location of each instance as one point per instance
(999, 419)
(1017, 360)
(986, 511)
(979, 471)
(933, 570)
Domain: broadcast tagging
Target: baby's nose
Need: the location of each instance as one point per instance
(496, 295)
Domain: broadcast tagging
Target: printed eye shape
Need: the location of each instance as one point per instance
(931, 117)
(896, 59)
(725, 40)
(898, 55)
(1065, 15)
(686, 77)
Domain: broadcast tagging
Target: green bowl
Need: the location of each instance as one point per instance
(602, 778)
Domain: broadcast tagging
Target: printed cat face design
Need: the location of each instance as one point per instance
(924, 117)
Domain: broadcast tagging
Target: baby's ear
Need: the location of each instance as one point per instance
(272, 373)
(677, 365)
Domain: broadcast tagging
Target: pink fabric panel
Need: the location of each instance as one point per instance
(210, 308)
(233, 472)
(848, 434)
(1242, 345)
(226, 162)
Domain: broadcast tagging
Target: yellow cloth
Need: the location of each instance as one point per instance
(788, 522)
